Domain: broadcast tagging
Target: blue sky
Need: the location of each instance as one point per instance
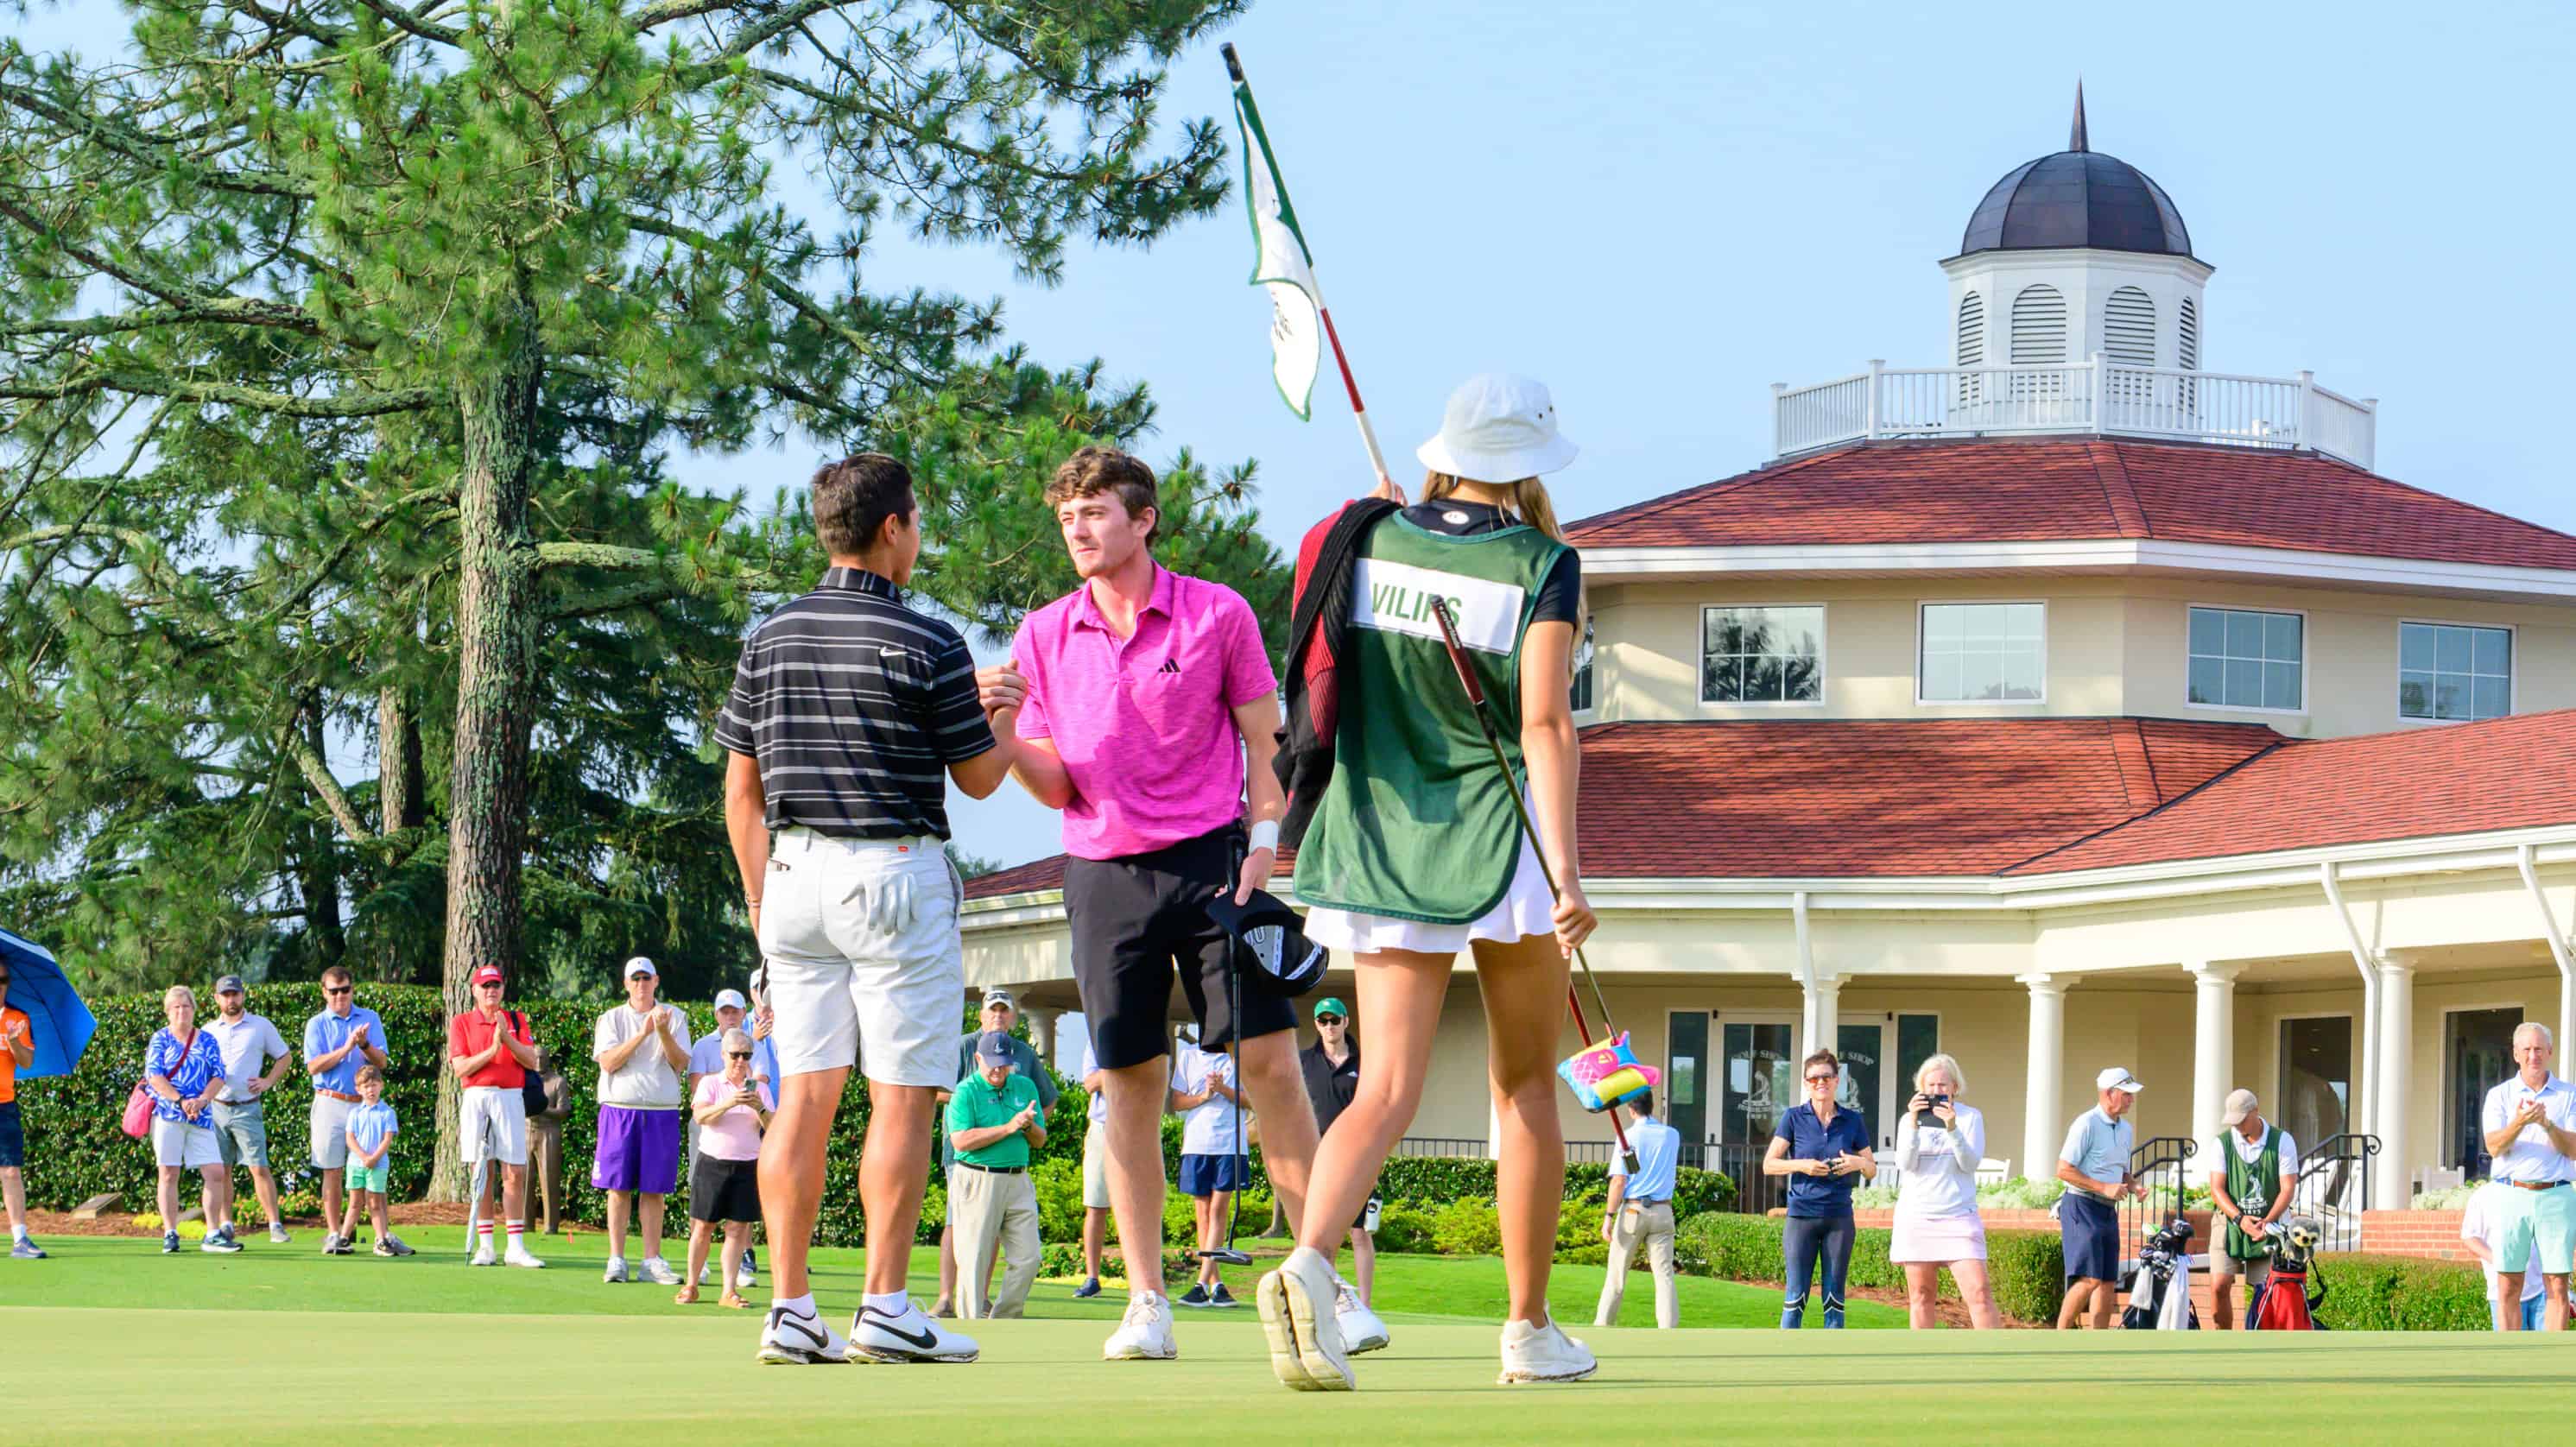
(1660, 210)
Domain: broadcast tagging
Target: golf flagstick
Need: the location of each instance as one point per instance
(1529, 830)
(1228, 1255)
(1299, 320)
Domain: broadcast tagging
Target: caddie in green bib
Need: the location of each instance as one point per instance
(1416, 824)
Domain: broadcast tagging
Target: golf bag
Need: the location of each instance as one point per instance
(2288, 1298)
(2160, 1294)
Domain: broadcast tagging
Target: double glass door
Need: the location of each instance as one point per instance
(1729, 1077)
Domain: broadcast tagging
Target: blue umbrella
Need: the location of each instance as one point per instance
(62, 1023)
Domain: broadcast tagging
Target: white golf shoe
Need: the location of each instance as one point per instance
(1297, 1301)
(1361, 1329)
(616, 1271)
(908, 1335)
(1144, 1333)
(483, 1255)
(657, 1271)
(522, 1258)
(798, 1339)
(1543, 1354)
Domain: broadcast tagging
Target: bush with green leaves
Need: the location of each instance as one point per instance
(1468, 1226)
(2020, 1194)
(2449, 1198)
(2024, 1265)
(1403, 1226)
(2401, 1293)
(1451, 1178)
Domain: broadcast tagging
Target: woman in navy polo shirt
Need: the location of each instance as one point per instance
(1823, 1148)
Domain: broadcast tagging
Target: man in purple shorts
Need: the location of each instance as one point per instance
(1144, 701)
(641, 1048)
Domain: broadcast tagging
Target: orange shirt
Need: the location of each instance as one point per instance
(14, 1026)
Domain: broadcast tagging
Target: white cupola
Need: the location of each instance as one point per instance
(2072, 254)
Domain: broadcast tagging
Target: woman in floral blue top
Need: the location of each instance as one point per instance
(184, 1070)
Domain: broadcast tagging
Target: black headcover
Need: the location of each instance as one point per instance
(1281, 959)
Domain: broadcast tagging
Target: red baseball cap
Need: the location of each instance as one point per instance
(488, 975)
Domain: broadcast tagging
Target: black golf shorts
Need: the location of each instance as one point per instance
(1138, 919)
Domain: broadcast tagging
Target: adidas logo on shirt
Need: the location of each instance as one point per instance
(1170, 665)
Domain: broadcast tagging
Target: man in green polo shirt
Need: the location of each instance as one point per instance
(993, 1119)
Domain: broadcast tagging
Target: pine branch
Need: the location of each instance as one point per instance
(327, 788)
(364, 404)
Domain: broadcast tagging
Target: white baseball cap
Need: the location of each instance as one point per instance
(2117, 1078)
(1497, 428)
(2240, 1104)
(731, 998)
(641, 966)
(999, 996)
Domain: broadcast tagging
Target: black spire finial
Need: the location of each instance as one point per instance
(2075, 140)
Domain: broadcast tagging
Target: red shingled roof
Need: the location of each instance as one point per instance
(2059, 489)
(2508, 773)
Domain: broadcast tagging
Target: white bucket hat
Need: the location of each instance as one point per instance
(1497, 428)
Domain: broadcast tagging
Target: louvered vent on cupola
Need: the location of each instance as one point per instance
(2129, 328)
(1972, 330)
(2039, 327)
(2190, 336)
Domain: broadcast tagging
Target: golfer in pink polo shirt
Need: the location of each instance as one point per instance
(1146, 700)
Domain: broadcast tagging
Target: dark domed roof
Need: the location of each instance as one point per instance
(2077, 198)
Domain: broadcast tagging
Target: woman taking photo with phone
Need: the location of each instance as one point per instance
(1938, 1145)
(1416, 852)
(1822, 1146)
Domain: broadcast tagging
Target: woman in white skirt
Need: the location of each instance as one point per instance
(1415, 852)
(1938, 1145)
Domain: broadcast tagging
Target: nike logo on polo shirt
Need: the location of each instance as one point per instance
(921, 1341)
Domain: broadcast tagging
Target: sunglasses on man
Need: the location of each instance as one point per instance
(337, 989)
(1328, 1019)
(737, 1055)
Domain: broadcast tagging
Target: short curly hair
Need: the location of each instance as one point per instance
(1095, 470)
(853, 498)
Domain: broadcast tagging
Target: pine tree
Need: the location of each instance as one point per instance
(345, 341)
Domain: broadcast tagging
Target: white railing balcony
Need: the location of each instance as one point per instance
(2095, 396)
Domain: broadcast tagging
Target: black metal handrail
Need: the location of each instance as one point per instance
(2334, 1187)
(2140, 1216)
(1443, 1147)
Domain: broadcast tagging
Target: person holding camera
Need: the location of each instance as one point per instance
(1640, 1213)
(1938, 1145)
(2259, 1164)
(994, 1119)
(731, 1109)
(1822, 1146)
(2094, 1164)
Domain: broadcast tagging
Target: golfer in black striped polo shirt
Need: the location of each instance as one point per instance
(849, 714)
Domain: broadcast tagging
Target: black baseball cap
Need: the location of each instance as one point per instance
(994, 1048)
(1284, 961)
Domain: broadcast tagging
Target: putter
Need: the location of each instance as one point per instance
(1227, 1255)
(1494, 740)
(482, 1175)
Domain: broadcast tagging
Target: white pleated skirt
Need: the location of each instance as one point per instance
(1525, 910)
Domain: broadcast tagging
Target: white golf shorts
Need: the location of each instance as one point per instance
(858, 939)
(180, 1143)
(496, 1116)
(331, 1131)
(1095, 1167)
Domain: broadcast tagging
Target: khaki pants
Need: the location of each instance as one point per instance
(1653, 1225)
(991, 1211)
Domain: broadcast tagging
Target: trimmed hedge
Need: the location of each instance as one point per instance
(2026, 1267)
(2401, 1293)
(1441, 1179)
(75, 1148)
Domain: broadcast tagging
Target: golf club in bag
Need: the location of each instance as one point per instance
(1227, 1255)
(2285, 1302)
(1609, 1039)
(2160, 1294)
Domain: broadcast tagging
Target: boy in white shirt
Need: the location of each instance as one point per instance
(2480, 1231)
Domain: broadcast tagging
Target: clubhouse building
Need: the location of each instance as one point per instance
(2063, 705)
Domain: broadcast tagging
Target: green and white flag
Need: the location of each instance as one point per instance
(1281, 264)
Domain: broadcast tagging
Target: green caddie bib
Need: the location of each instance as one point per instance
(1417, 822)
(2252, 1184)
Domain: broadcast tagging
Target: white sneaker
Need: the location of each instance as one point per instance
(657, 1271)
(747, 1280)
(522, 1258)
(707, 1274)
(906, 1336)
(1361, 1329)
(483, 1256)
(798, 1339)
(277, 1234)
(1297, 1301)
(616, 1271)
(1543, 1354)
(1144, 1333)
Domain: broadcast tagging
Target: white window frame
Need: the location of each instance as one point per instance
(1699, 660)
(1593, 664)
(2441, 1062)
(2512, 680)
(2306, 684)
(1920, 701)
(2272, 1049)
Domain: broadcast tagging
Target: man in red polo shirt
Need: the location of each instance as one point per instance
(491, 1052)
(1145, 701)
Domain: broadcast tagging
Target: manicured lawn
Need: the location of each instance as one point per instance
(104, 1271)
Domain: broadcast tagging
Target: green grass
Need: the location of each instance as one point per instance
(111, 1342)
(97, 1270)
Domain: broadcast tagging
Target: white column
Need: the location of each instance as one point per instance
(2213, 1054)
(2043, 1120)
(1042, 1033)
(2394, 1186)
(1821, 1020)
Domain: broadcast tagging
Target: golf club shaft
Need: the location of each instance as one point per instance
(1529, 830)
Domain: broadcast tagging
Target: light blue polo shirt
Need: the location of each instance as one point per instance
(707, 1057)
(1659, 1150)
(2098, 1147)
(327, 1032)
(372, 1125)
